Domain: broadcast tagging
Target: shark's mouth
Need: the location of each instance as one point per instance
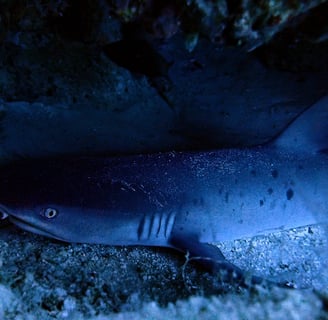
(25, 225)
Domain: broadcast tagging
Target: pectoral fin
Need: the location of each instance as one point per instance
(211, 258)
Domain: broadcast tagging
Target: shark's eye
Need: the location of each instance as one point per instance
(50, 213)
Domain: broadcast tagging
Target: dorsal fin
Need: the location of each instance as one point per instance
(309, 132)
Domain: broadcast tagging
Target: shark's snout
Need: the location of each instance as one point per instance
(4, 216)
(3, 213)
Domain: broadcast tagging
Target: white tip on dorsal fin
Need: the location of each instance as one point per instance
(309, 132)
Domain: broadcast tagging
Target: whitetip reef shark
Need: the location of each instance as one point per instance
(183, 200)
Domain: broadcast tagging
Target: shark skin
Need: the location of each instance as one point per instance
(182, 200)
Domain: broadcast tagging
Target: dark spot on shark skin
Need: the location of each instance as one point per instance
(300, 167)
(226, 197)
(253, 173)
(261, 203)
(289, 194)
(270, 191)
(274, 173)
(241, 221)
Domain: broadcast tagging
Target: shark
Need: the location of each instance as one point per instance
(187, 201)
